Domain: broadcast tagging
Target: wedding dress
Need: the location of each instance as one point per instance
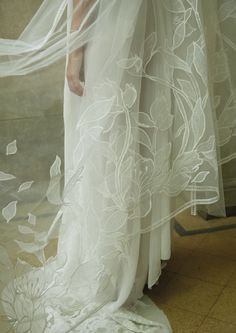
(87, 195)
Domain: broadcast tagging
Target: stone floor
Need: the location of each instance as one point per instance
(197, 288)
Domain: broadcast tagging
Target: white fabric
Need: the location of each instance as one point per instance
(146, 140)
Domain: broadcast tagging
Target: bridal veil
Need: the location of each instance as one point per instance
(89, 184)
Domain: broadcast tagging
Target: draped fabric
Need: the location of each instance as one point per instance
(89, 184)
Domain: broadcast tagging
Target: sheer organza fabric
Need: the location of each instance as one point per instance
(89, 184)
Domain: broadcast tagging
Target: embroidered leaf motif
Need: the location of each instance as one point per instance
(11, 148)
(40, 237)
(53, 192)
(144, 139)
(9, 211)
(25, 230)
(31, 219)
(180, 31)
(129, 95)
(187, 88)
(207, 146)
(55, 169)
(176, 62)
(145, 120)
(193, 4)
(6, 176)
(190, 52)
(25, 186)
(199, 61)
(28, 247)
(149, 48)
(227, 117)
(200, 177)
(129, 63)
(188, 162)
(104, 91)
(96, 112)
(189, 29)
(179, 35)
(180, 130)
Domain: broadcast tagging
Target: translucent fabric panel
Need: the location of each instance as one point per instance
(90, 180)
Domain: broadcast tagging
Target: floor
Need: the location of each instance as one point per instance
(197, 288)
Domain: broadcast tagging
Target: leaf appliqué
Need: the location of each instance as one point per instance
(11, 148)
(9, 211)
(25, 186)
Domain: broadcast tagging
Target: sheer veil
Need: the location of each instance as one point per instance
(89, 184)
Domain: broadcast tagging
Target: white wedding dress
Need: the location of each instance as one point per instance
(146, 140)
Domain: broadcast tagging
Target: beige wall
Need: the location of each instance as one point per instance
(14, 16)
(31, 106)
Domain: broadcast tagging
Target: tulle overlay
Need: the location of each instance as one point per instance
(89, 184)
